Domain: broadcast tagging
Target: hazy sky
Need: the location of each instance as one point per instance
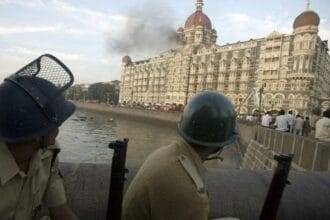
(85, 34)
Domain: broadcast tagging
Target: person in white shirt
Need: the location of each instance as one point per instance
(266, 120)
(281, 122)
(298, 125)
(322, 130)
(291, 120)
(316, 115)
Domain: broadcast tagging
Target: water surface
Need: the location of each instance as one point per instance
(85, 136)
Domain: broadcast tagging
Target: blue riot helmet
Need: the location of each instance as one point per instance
(32, 102)
(208, 120)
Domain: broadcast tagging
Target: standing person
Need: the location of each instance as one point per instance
(322, 131)
(249, 118)
(266, 119)
(291, 121)
(298, 125)
(316, 115)
(31, 111)
(171, 182)
(307, 127)
(281, 122)
(255, 118)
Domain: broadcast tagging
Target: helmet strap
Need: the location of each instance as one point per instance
(43, 142)
(216, 156)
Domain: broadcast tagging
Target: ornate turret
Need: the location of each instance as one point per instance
(126, 60)
(305, 29)
(198, 27)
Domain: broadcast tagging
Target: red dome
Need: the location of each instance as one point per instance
(306, 18)
(198, 19)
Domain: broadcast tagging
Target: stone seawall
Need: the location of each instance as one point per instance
(166, 117)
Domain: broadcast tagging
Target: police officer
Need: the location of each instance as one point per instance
(32, 108)
(171, 182)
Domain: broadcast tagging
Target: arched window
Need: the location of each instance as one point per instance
(312, 42)
(299, 101)
(282, 85)
(274, 86)
(279, 98)
(268, 99)
(222, 65)
(291, 99)
(306, 38)
(305, 101)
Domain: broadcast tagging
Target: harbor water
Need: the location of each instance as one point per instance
(84, 137)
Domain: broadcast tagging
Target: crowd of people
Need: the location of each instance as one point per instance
(316, 126)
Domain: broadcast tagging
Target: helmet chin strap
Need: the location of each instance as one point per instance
(43, 145)
(216, 156)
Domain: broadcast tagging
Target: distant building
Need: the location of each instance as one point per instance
(294, 68)
(84, 87)
(116, 84)
(116, 90)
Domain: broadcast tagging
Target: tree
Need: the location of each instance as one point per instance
(75, 92)
(102, 92)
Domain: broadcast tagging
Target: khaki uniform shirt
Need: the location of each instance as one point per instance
(168, 186)
(21, 194)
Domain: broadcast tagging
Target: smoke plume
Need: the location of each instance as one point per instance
(149, 30)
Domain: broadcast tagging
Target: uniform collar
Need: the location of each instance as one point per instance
(194, 156)
(8, 165)
(9, 168)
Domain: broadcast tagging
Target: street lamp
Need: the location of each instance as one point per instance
(261, 90)
(240, 105)
(108, 94)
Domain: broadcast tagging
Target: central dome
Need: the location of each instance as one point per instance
(198, 19)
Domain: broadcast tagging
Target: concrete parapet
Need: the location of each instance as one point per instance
(247, 131)
(241, 193)
(236, 193)
(309, 154)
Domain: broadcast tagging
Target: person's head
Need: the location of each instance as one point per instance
(326, 113)
(208, 122)
(269, 113)
(290, 112)
(31, 107)
(298, 116)
(307, 118)
(281, 112)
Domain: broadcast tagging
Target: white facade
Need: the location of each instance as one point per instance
(294, 68)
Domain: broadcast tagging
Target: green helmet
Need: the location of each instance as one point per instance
(208, 120)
